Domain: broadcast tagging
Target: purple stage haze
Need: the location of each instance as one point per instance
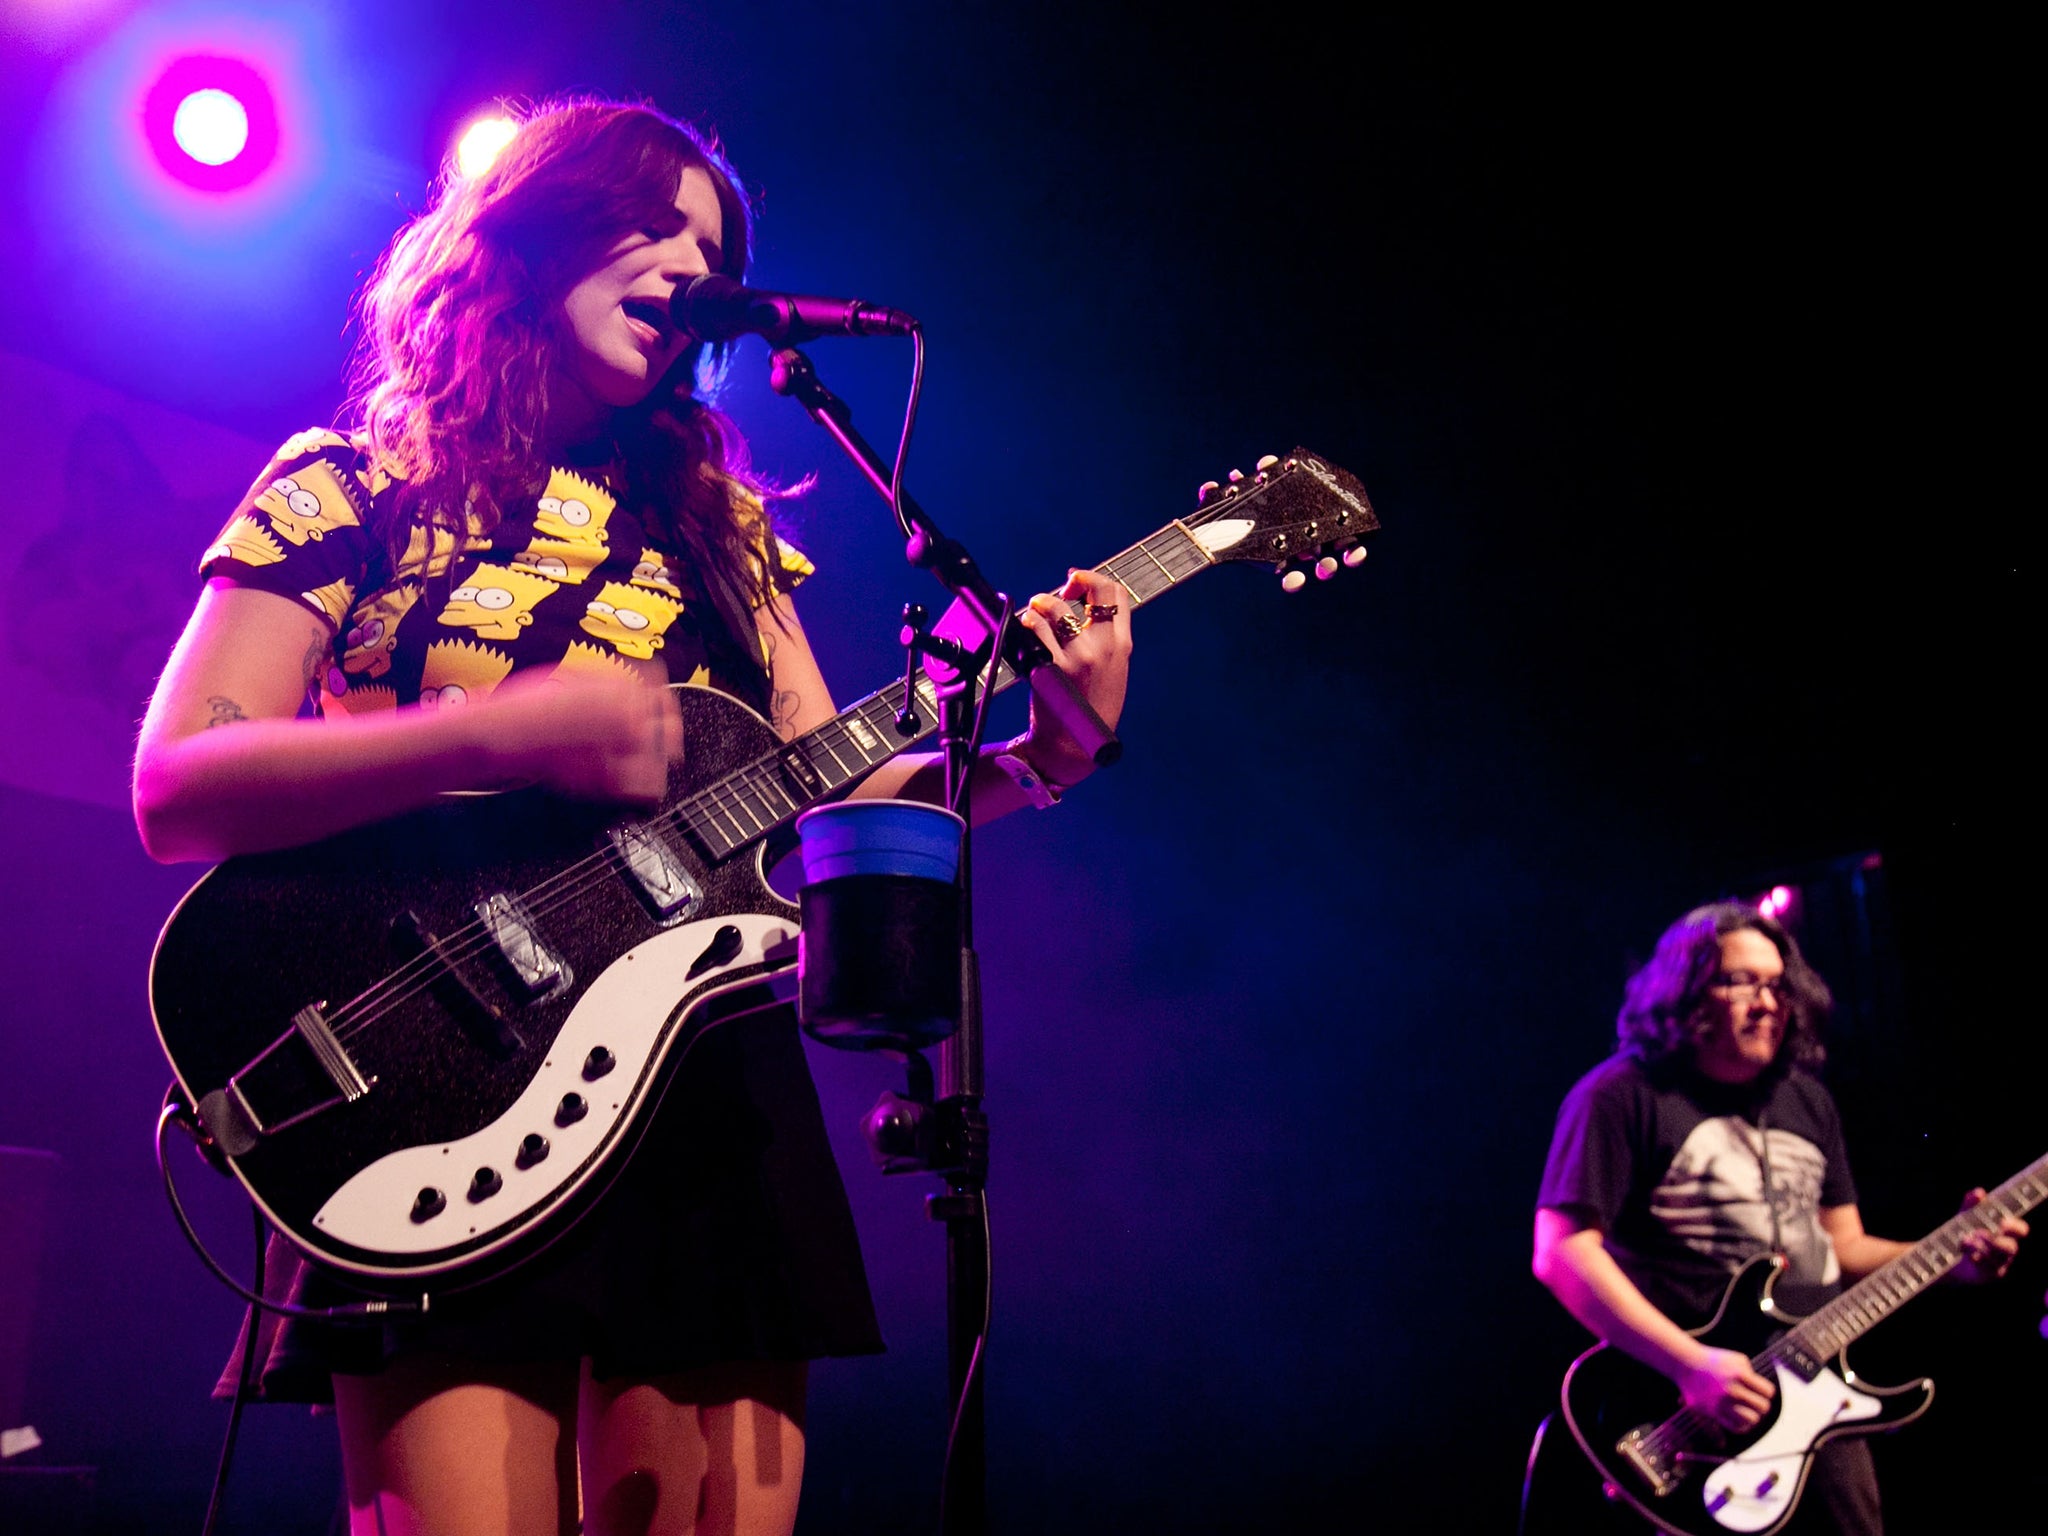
(1700, 575)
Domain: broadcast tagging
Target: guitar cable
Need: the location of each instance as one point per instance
(245, 1379)
(177, 1111)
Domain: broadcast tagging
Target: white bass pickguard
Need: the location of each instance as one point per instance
(1750, 1492)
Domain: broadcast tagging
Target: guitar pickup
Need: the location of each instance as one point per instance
(453, 989)
(532, 967)
(660, 878)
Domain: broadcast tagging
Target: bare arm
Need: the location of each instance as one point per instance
(1098, 659)
(223, 767)
(1572, 1260)
(1986, 1255)
(1858, 1251)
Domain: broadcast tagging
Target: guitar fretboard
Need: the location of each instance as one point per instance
(1867, 1303)
(752, 801)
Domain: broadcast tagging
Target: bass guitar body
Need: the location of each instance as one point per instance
(1687, 1475)
(425, 1046)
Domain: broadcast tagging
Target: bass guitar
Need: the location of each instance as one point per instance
(1686, 1474)
(424, 1047)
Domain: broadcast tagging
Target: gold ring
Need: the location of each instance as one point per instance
(1066, 626)
(1101, 613)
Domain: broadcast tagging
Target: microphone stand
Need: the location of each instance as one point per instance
(966, 640)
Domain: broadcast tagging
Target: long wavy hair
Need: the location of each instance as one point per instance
(462, 335)
(1664, 1011)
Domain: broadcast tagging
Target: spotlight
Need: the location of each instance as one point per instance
(212, 122)
(481, 143)
(211, 126)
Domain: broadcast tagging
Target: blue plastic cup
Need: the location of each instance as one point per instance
(880, 837)
(879, 957)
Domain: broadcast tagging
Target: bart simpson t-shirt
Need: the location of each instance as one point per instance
(570, 579)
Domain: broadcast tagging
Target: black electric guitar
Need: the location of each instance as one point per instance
(426, 1046)
(1690, 1477)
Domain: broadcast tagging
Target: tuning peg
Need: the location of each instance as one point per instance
(1294, 579)
(1235, 475)
(1266, 463)
(1352, 553)
(1208, 489)
(1326, 567)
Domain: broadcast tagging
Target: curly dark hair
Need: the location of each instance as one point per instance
(1664, 1010)
(461, 331)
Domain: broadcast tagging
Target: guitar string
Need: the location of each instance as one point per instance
(475, 937)
(1673, 1432)
(596, 869)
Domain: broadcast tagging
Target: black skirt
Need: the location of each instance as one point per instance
(727, 1237)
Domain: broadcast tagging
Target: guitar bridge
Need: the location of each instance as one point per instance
(301, 1072)
(1655, 1469)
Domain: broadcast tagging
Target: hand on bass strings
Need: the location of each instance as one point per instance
(1093, 647)
(1724, 1387)
(590, 735)
(1988, 1255)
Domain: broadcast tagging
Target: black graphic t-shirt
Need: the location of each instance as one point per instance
(572, 579)
(1670, 1167)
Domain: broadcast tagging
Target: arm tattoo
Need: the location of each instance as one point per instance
(781, 702)
(225, 711)
(316, 654)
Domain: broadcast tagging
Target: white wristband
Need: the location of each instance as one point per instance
(1038, 789)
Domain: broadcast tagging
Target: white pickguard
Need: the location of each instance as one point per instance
(1750, 1492)
(624, 1011)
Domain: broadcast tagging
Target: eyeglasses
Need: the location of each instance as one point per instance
(1743, 986)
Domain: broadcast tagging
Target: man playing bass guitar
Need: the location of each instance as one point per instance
(1702, 1142)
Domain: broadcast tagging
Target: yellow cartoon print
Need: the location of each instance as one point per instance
(655, 571)
(586, 660)
(355, 701)
(496, 602)
(243, 539)
(459, 672)
(332, 599)
(417, 561)
(792, 564)
(373, 631)
(559, 560)
(308, 502)
(631, 618)
(573, 509)
(312, 440)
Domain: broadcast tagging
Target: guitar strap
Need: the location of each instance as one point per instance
(1763, 1157)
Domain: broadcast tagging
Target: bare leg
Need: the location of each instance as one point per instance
(712, 1452)
(440, 1447)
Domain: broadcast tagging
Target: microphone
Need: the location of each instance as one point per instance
(715, 308)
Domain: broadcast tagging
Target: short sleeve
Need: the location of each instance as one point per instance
(303, 531)
(1592, 1158)
(1837, 1185)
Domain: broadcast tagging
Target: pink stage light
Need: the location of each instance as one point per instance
(478, 148)
(212, 122)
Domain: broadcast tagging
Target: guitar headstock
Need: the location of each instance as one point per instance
(1299, 514)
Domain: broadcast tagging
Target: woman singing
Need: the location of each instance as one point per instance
(532, 521)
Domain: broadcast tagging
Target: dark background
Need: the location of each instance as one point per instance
(1675, 357)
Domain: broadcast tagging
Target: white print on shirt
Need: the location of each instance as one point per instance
(1711, 1198)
